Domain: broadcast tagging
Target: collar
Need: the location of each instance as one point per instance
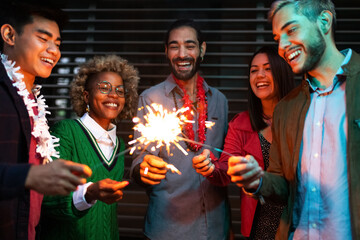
(96, 130)
(170, 85)
(340, 75)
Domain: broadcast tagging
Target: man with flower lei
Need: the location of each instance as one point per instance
(30, 39)
(185, 206)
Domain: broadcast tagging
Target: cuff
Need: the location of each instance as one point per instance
(79, 197)
(255, 194)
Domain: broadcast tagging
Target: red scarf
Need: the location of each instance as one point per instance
(201, 109)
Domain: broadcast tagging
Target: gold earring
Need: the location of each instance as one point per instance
(87, 108)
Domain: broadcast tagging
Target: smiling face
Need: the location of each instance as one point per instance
(104, 107)
(261, 78)
(36, 48)
(183, 52)
(301, 43)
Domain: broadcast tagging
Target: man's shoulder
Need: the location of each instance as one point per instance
(216, 92)
(154, 90)
(294, 96)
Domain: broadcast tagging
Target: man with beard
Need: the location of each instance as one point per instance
(314, 158)
(185, 206)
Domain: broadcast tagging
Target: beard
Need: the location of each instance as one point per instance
(185, 76)
(315, 51)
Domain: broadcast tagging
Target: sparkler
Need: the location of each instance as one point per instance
(161, 127)
(164, 128)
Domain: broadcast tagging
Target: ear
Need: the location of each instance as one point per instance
(85, 96)
(202, 49)
(8, 34)
(325, 21)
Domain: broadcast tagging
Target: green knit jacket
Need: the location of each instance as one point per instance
(60, 219)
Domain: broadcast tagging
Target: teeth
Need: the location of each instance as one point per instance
(183, 63)
(47, 60)
(294, 54)
(111, 104)
(262, 84)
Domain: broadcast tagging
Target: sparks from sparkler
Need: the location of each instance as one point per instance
(163, 128)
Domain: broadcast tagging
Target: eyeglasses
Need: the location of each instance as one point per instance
(106, 88)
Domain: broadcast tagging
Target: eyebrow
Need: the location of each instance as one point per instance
(47, 33)
(287, 24)
(258, 65)
(187, 41)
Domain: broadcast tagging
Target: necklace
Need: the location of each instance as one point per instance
(201, 108)
(45, 142)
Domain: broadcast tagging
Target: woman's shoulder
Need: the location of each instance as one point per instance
(241, 118)
(64, 125)
(241, 121)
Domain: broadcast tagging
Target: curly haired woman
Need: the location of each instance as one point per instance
(104, 91)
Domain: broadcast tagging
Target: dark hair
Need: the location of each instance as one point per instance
(283, 83)
(309, 8)
(20, 13)
(185, 23)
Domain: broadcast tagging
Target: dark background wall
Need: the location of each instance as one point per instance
(134, 29)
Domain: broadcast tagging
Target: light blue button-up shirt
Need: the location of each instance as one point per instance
(321, 209)
(185, 206)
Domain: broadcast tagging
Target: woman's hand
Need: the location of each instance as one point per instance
(107, 190)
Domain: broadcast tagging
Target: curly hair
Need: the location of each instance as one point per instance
(108, 63)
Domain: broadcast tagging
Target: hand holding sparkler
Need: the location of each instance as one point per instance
(107, 190)
(152, 170)
(245, 172)
(202, 163)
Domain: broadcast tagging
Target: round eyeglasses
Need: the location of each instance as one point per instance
(106, 88)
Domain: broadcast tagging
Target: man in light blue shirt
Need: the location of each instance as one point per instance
(314, 158)
(185, 206)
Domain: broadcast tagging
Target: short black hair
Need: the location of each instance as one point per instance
(185, 23)
(284, 82)
(20, 13)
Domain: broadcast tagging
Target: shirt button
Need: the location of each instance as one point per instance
(313, 189)
(318, 123)
(316, 155)
(314, 225)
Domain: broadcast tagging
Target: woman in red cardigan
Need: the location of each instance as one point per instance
(270, 79)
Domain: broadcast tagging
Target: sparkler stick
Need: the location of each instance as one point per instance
(206, 145)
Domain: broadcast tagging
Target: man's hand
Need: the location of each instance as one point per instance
(245, 172)
(107, 190)
(59, 177)
(152, 170)
(202, 163)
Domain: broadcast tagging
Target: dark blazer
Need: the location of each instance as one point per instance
(15, 135)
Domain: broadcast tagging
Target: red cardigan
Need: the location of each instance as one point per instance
(240, 140)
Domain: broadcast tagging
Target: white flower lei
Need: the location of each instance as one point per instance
(45, 142)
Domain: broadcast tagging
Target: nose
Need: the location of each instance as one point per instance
(53, 49)
(112, 93)
(182, 52)
(283, 44)
(261, 73)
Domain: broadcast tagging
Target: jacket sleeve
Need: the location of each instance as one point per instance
(233, 146)
(12, 180)
(62, 207)
(274, 184)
